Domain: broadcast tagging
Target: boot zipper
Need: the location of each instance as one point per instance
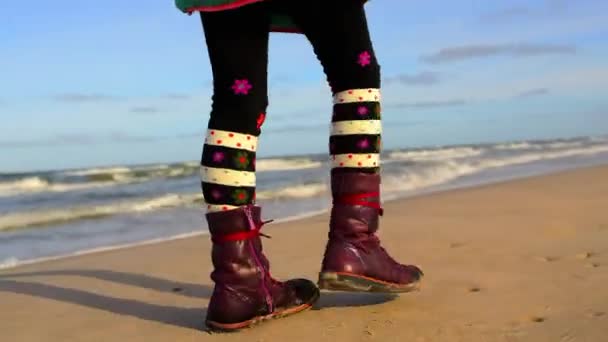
(252, 226)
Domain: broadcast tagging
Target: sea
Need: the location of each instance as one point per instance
(55, 214)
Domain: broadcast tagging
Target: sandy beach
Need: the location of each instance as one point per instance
(524, 260)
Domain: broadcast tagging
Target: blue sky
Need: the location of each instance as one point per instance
(120, 84)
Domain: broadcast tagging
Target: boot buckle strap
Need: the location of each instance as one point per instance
(361, 199)
(240, 236)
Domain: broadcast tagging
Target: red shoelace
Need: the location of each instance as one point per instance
(361, 199)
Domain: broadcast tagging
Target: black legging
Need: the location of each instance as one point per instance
(237, 42)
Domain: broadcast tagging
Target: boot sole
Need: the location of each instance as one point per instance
(342, 281)
(234, 327)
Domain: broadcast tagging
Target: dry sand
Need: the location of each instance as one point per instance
(525, 260)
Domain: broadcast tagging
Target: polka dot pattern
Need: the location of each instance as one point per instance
(356, 160)
(231, 139)
(357, 95)
(220, 207)
(227, 176)
(356, 127)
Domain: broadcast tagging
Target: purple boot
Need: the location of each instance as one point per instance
(354, 259)
(245, 293)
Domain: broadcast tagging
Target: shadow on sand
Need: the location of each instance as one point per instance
(181, 317)
(131, 279)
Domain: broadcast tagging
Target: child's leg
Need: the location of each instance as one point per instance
(244, 291)
(354, 259)
(237, 42)
(339, 35)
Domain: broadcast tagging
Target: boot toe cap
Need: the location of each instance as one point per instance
(411, 273)
(305, 291)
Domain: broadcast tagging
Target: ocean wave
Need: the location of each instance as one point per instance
(20, 220)
(415, 176)
(425, 177)
(96, 171)
(125, 174)
(136, 173)
(515, 146)
(540, 145)
(75, 180)
(286, 164)
(460, 152)
(565, 144)
(449, 170)
(23, 184)
(296, 191)
(436, 154)
(53, 216)
(599, 138)
(35, 184)
(94, 178)
(9, 263)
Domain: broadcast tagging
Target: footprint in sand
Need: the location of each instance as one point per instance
(537, 319)
(584, 255)
(514, 333)
(567, 337)
(595, 314)
(546, 258)
(474, 289)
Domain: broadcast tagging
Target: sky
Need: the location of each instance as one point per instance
(117, 83)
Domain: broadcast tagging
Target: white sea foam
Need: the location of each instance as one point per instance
(436, 154)
(97, 171)
(37, 184)
(9, 263)
(51, 216)
(112, 176)
(28, 219)
(22, 185)
(296, 191)
(20, 220)
(94, 178)
(134, 174)
(558, 145)
(449, 170)
(516, 146)
(286, 164)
